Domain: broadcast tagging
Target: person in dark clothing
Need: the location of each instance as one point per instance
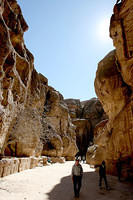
(119, 168)
(102, 174)
(77, 173)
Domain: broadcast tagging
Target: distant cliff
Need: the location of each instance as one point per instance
(85, 116)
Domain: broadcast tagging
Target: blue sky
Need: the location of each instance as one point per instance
(68, 38)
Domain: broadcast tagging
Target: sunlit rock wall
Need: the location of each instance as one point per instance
(113, 85)
(33, 118)
(16, 64)
(58, 130)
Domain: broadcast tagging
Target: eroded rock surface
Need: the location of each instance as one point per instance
(93, 112)
(85, 116)
(34, 120)
(75, 108)
(113, 85)
(83, 134)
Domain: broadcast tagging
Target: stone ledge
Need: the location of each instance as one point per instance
(57, 159)
(14, 165)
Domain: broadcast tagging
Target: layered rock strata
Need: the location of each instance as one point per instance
(34, 120)
(113, 85)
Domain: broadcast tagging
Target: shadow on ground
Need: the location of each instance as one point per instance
(90, 189)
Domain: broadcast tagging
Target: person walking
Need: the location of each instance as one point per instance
(119, 168)
(102, 175)
(77, 174)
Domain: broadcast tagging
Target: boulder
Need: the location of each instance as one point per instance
(57, 159)
(44, 159)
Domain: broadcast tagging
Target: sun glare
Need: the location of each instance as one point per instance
(103, 30)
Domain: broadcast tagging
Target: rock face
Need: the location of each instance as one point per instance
(85, 116)
(75, 108)
(83, 134)
(121, 31)
(113, 85)
(60, 132)
(34, 120)
(93, 111)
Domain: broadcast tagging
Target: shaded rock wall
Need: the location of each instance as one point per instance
(85, 116)
(33, 118)
(83, 134)
(113, 85)
(92, 110)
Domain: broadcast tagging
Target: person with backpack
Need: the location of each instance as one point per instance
(119, 168)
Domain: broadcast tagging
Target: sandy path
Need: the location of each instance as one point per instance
(54, 183)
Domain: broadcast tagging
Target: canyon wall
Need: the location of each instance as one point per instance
(85, 116)
(114, 86)
(34, 120)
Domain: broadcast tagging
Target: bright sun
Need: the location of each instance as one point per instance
(103, 29)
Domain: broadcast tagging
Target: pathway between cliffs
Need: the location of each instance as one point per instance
(54, 183)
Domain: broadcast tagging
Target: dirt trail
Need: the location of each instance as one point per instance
(54, 183)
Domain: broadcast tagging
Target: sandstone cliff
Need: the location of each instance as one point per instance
(85, 116)
(113, 85)
(33, 118)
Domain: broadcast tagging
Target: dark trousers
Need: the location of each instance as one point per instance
(77, 184)
(119, 174)
(105, 180)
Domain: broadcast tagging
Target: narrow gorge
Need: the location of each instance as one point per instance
(36, 121)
